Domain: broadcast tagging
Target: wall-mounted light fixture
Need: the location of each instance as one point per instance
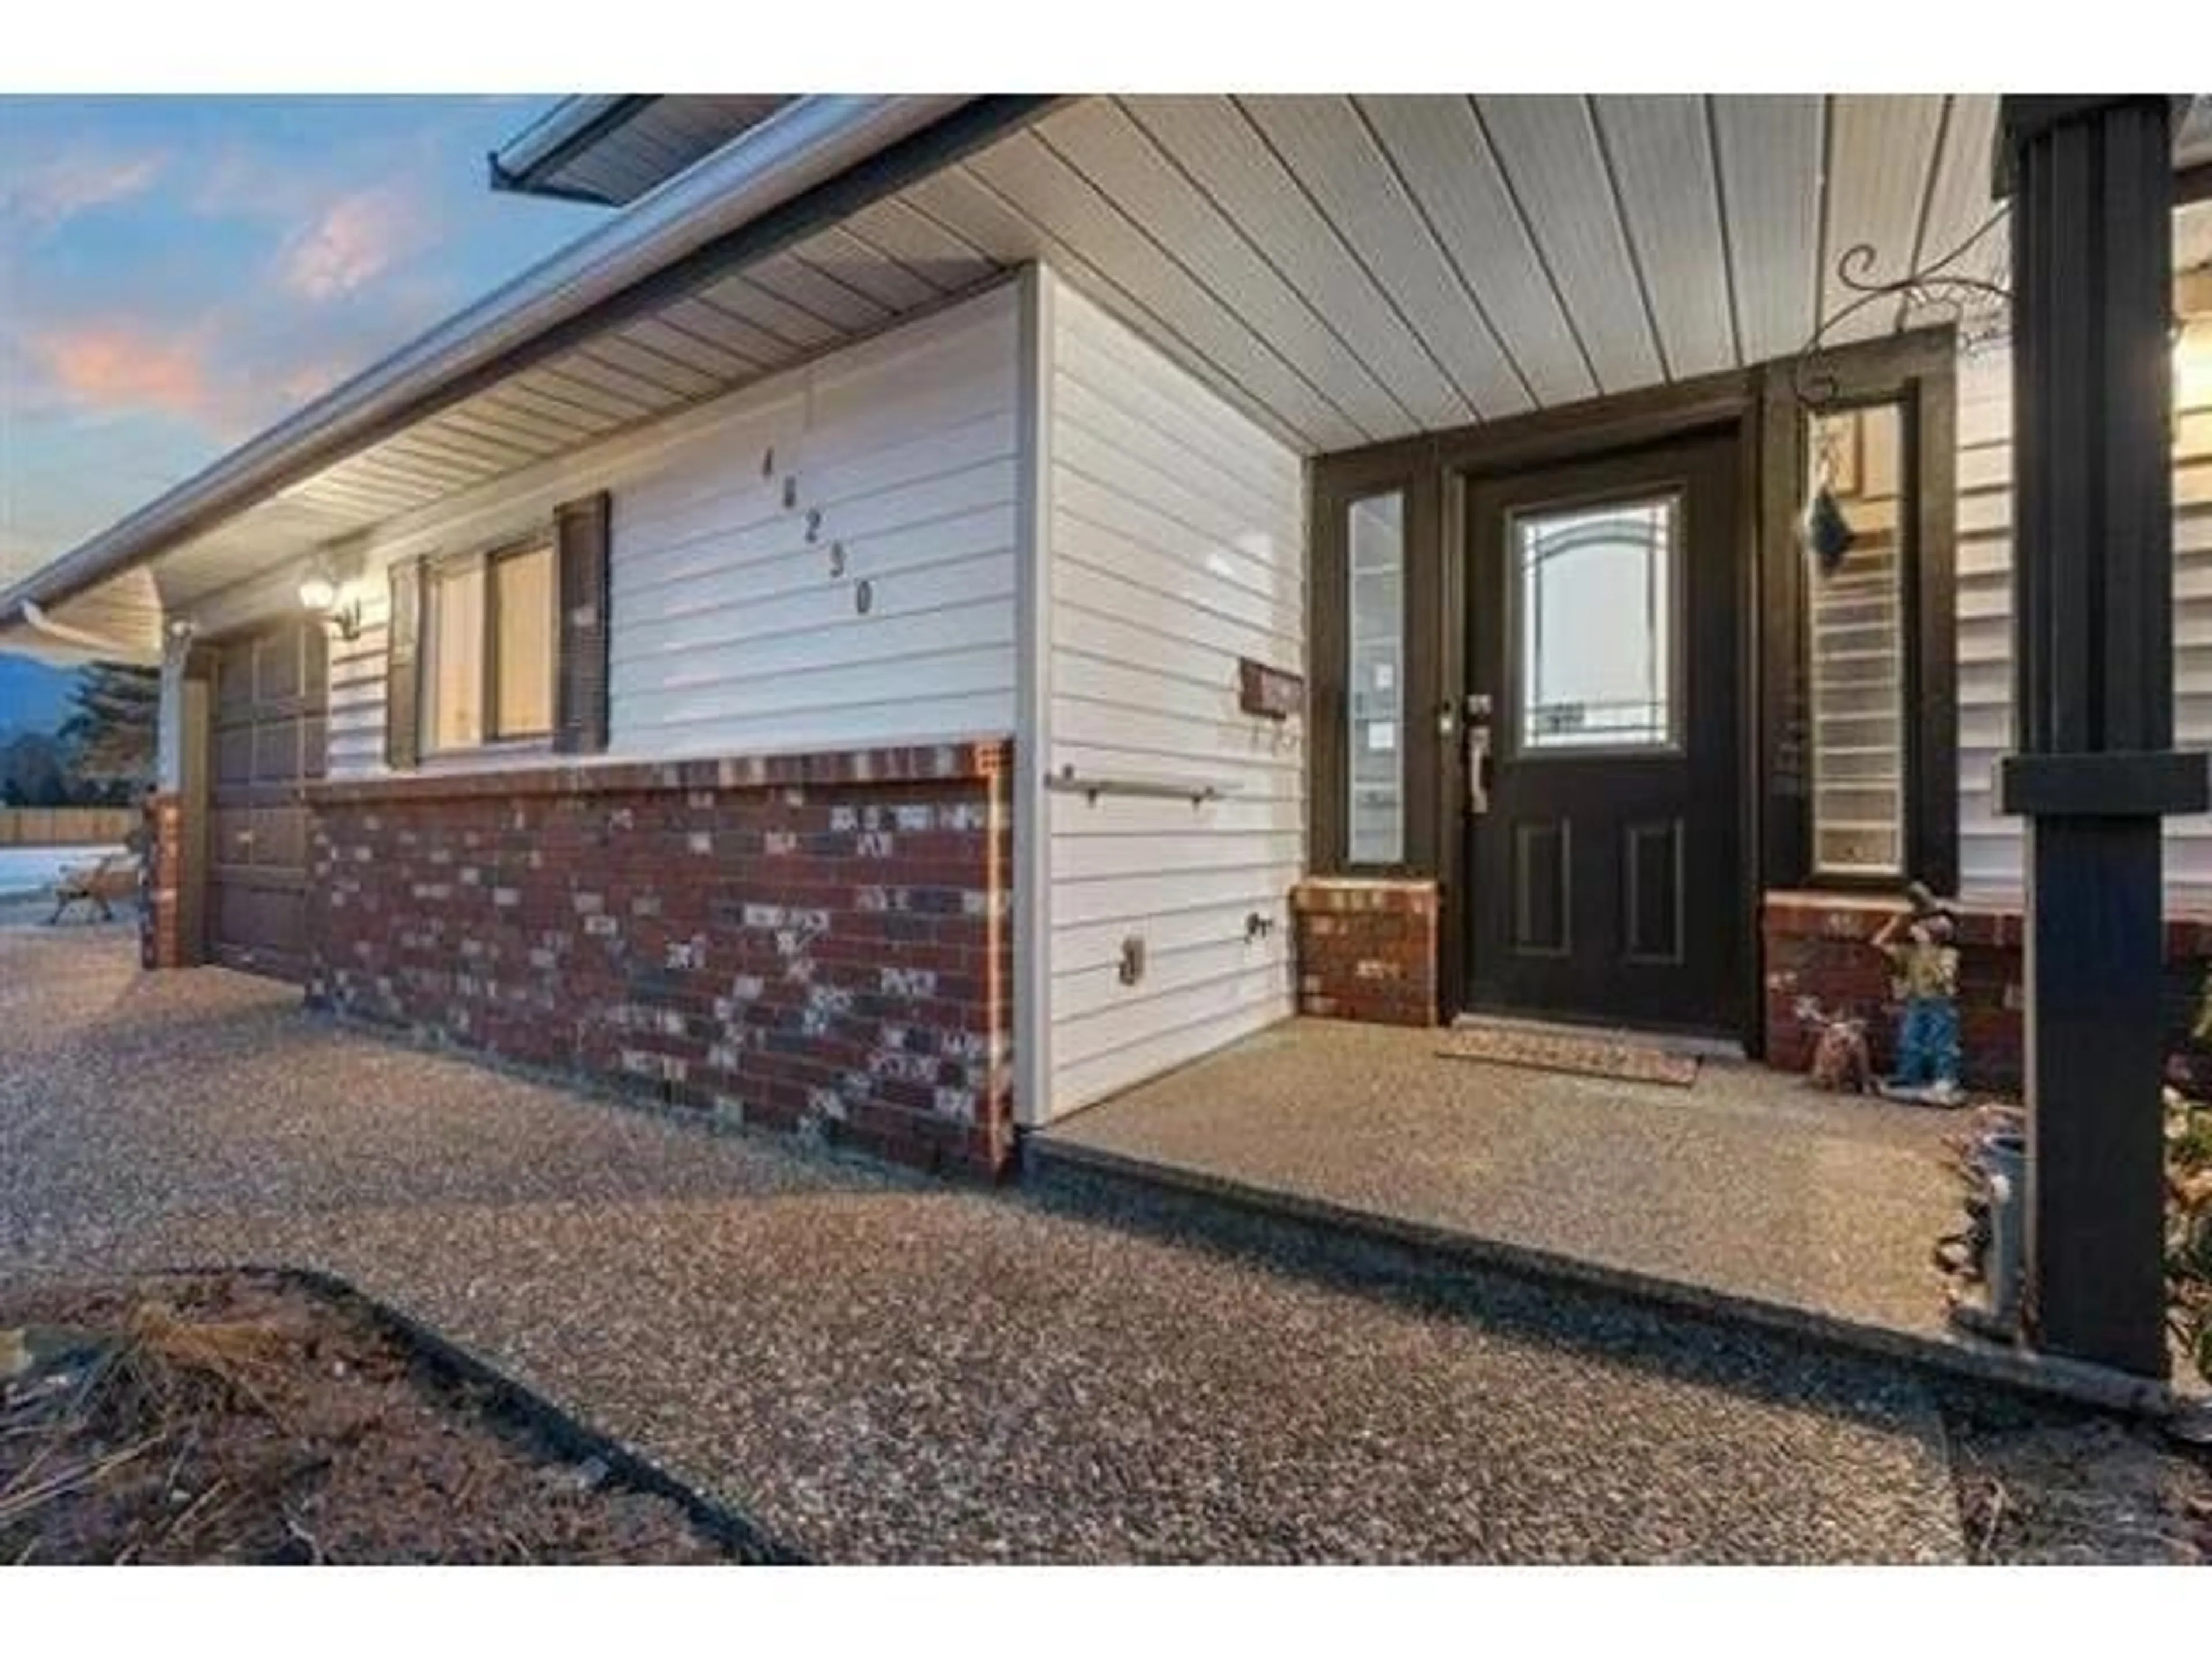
(323, 595)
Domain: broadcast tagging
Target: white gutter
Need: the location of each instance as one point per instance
(807, 143)
(42, 639)
(555, 127)
(93, 645)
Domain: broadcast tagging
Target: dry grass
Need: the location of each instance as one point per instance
(169, 1368)
(2046, 1484)
(232, 1417)
(146, 1384)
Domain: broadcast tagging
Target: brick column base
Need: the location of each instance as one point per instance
(161, 885)
(1367, 949)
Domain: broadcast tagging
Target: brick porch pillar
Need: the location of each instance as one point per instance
(1366, 949)
(161, 883)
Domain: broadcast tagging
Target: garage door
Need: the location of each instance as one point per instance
(270, 694)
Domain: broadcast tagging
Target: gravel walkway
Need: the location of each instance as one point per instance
(873, 1368)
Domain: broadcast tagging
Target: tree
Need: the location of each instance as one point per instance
(34, 771)
(109, 731)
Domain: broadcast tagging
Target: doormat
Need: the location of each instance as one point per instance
(1550, 1051)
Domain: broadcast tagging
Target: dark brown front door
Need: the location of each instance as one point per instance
(1604, 799)
(270, 694)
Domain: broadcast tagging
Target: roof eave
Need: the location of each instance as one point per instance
(809, 142)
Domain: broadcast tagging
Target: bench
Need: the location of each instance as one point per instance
(93, 886)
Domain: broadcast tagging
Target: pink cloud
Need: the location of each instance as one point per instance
(60, 188)
(350, 243)
(204, 372)
(105, 365)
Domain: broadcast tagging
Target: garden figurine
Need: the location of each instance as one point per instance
(1921, 943)
(1839, 1060)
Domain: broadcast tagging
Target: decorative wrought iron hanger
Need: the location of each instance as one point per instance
(1826, 531)
(1937, 283)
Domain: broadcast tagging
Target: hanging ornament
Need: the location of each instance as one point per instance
(1828, 534)
(1980, 306)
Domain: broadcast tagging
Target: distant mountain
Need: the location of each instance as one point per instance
(33, 696)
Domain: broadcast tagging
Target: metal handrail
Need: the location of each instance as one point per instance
(1066, 782)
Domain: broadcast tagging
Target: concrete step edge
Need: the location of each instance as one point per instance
(1959, 1356)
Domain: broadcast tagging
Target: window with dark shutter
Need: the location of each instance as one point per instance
(487, 655)
(402, 671)
(580, 538)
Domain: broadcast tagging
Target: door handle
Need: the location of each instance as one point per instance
(1478, 767)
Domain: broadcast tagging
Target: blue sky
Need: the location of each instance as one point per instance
(177, 272)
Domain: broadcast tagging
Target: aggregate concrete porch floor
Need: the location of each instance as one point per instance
(1749, 1183)
(872, 1367)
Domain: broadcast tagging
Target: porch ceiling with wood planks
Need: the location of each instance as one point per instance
(1353, 269)
(1347, 269)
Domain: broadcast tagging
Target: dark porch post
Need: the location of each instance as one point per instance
(2091, 183)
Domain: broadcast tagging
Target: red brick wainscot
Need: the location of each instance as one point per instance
(161, 884)
(1366, 949)
(1817, 947)
(818, 942)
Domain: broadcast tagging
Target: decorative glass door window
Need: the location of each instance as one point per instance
(1856, 640)
(1375, 679)
(1597, 590)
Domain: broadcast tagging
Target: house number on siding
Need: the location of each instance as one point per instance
(864, 596)
(836, 558)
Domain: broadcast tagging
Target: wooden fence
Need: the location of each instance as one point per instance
(65, 826)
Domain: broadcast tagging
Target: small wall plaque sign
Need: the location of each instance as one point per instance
(1274, 694)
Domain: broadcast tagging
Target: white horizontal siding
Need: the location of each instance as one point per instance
(730, 633)
(1991, 848)
(355, 729)
(1176, 535)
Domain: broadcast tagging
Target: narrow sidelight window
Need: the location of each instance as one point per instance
(1855, 582)
(1375, 683)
